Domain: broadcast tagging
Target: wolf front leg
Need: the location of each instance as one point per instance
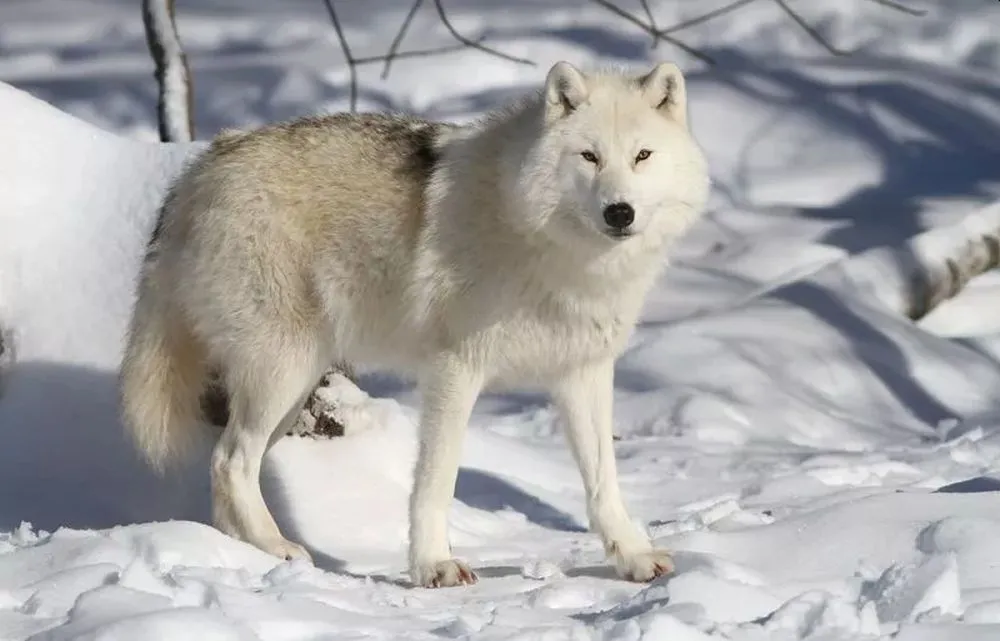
(449, 390)
(584, 397)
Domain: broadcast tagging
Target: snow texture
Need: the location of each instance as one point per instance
(823, 467)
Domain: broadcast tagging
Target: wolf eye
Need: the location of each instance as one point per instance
(589, 156)
(642, 155)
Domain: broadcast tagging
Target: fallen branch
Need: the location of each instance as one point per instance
(931, 287)
(316, 418)
(930, 268)
(321, 417)
(174, 106)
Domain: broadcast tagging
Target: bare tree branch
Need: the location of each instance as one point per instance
(472, 43)
(174, 107)
(414, 53)
(398, 40)
(815, 35)
(394, 54)
(651, 19)
(352, 69)
(665, 34)
(900, 7)
(705, 17)
(660, 35)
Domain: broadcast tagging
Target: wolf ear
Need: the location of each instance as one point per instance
(663, 88)
(565, 90)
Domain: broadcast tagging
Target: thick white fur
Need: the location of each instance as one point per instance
(507, 276)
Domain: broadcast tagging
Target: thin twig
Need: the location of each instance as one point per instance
(815, 35)
(901, 7)
(652, 20)
(472, 43)
(705, 17)
(351, 63)
(398, 40)
(704, 57)
(414, 53)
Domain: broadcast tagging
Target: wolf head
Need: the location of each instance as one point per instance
(615, 163)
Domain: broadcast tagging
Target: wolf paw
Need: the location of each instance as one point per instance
(643, 567)
(443, 574)
(285, 549)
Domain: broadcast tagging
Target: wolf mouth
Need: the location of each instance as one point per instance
(620, 234)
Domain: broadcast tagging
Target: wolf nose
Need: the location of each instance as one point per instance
(619, 215)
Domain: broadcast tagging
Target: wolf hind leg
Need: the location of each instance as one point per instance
(267, 388)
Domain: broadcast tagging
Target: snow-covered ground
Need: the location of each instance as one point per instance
(823, 467)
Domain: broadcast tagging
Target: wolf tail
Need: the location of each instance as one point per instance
(162, 376)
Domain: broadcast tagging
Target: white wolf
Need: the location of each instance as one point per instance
(513, 252)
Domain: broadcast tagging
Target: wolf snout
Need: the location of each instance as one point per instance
(618, 216)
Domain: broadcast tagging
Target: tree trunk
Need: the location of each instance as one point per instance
(172, 72)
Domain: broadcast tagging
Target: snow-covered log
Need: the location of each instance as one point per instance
(318, 417)
(926, 270)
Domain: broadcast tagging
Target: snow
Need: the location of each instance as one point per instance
(823, 467)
